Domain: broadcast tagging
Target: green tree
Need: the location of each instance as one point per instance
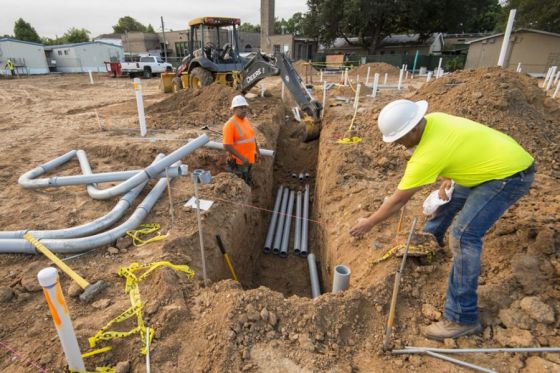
(24, 31)
(150, 28)
(76, 35)
(536, 14)
(293, 25)
(129, 24)
(248, 27)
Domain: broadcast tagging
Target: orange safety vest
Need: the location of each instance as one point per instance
(239, 133)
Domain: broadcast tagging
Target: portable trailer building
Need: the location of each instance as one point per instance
(536, 50)
(83, 57)
(28, 58)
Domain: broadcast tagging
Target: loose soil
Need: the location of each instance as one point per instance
(267, 322)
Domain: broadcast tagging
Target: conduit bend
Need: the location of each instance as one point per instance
(92, 227)
(78, 245)
(130, 182)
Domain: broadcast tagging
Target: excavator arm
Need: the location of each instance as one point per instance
(262, 66)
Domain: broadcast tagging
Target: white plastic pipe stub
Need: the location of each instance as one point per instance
(48, 279)
(341, 279)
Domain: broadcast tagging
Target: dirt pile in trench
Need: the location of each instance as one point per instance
(381, 68)
(303, 68)
(504, 100)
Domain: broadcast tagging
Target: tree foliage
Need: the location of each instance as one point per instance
(536, 14)
(248, 27)
(76, 35)
(371, 20)
(294, 25)
(129, 24)
(24, 31)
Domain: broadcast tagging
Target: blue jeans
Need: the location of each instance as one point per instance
(478, 208)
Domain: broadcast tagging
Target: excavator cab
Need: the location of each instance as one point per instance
(214, 57)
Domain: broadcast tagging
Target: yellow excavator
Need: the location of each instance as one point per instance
(210, 62)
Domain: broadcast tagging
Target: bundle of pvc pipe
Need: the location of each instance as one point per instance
(92, 227)
(77, 245)
(273, 220)
(341, 278)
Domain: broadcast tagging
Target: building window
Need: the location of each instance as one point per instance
(66, 52)
(60, 53)
(276, 48)
(248, 47)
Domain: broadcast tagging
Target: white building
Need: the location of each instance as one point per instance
(28, 57)
(82, 57)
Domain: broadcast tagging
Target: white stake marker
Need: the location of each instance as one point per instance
(140, 106)
(48, 279)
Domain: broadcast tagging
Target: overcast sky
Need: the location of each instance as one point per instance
(54, 17)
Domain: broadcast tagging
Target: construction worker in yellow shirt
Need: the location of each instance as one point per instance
(491, 172)
(10, 66)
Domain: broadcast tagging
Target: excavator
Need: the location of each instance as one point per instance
(216, 63)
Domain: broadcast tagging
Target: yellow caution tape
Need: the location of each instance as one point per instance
(349, 140)
(97, 352)
(132, 288)
(399, 251)
(146, 229)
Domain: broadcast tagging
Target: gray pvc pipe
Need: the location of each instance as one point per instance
(152, 171)
(281, 217)
(297, 234)
(273, 220)
(314, 277)
(39, 170)
(78, 245)
(92, 227)
(287, 226)
(341, 278)
(219, 146)
(305, 222)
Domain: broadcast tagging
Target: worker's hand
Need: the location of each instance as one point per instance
(445, 184)
(362, 226)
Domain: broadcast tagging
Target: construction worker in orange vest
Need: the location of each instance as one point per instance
(239, 140)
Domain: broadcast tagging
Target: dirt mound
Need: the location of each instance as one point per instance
(209, 104)
(504, 100)
(303, 68)
(377, 67)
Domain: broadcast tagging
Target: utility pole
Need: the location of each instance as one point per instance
(164, 42)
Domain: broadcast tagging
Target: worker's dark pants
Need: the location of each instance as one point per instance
(478, 208)
(243, 172)
(13, 72)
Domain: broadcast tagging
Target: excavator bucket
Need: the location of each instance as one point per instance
(311, 128)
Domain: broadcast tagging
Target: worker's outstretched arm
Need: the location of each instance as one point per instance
(231, 150)
(391, 205)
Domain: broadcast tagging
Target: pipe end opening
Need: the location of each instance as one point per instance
(342, 270)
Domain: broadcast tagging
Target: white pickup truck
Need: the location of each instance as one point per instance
(146, 66)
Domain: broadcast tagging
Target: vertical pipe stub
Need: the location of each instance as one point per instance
(341, 279)
(47, 277)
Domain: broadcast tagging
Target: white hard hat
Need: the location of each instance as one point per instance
(399, 117)
(238, 101)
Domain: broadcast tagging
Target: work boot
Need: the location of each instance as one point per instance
(448, 329)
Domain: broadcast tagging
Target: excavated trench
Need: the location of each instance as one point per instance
(243, 214)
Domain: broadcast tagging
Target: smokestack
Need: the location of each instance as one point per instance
(267, 24)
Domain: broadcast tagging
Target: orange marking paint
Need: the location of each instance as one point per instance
(60, 298)
(52, 308)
